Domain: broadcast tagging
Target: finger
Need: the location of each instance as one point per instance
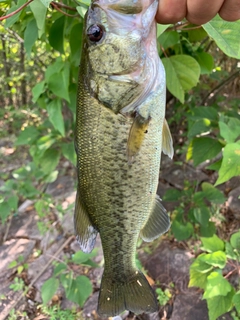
(230, 10)
(171, 11)
(202, 11)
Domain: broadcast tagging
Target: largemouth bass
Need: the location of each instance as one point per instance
(120, 133)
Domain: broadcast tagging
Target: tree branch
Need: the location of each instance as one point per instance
(16, 11)
(56, 5)
(62, 5)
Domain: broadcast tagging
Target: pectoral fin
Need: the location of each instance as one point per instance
(136, 136)
(167, 143)
(86, 233)
(157, 223)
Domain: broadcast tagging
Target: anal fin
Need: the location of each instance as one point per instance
(167, 143)
(86, 233)
(157, 223)
(136, 136)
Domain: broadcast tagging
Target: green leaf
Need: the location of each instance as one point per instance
(198, 279)
(212, 244)
(202, 215)
(199, 126)
(37, 90)
(204, 113)
(195, 35)
(81, 10)
(236, 301)
(58, 84)
(56, 34)
(230, 131)
(216, 286)
(182, 74)
(80, 290)
(59, 269)
(51, 177)
(45, 142)
(49, 160)
(235, 240)
(10, 21)
(48, 289)
(212, 194)
(161, 28)
(181, 231)
(230, 252)
(85, 2)
(205, 148)
(30, 36)
(54, 109)
(27, 136)
(76, 42)
(219, 305)
(216, 259)
(46, 3)
(215, 165)
(225, 34)
(201, 266)
(81, 257)
(172, 195)
(208, 231)
(13, 202)
(55, 67)
(69, 152)
(5, 211)
(230, 164)
(39, 11)
(168, 39)
(205, 61)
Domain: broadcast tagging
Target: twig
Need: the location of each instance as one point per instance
(220, 85)
(163, 50)
(7, 228)
(59, 4)
(63, 12)
(37, 277)
(192, 28)
(55, 4)
(178, 26)
(59, 260)
(15, 35)
(16, 11)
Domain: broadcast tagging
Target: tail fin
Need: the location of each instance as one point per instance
(135, 295)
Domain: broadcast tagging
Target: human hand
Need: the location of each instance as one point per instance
(197, 11)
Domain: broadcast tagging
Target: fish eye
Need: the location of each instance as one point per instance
(95, 32)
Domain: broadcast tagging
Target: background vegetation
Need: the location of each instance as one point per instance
(40, 53)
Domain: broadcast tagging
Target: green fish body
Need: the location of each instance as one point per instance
(120, 133)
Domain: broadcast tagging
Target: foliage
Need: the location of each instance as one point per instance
(208, 272)
(17, 285)
(77, 288)
(199, 214)
(56, 313)
(164, 296)
(40, 48)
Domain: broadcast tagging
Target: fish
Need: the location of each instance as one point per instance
(119, 136)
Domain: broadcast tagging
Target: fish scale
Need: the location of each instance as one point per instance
(118, 161)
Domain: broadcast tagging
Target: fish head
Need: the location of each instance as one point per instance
(120, 45)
